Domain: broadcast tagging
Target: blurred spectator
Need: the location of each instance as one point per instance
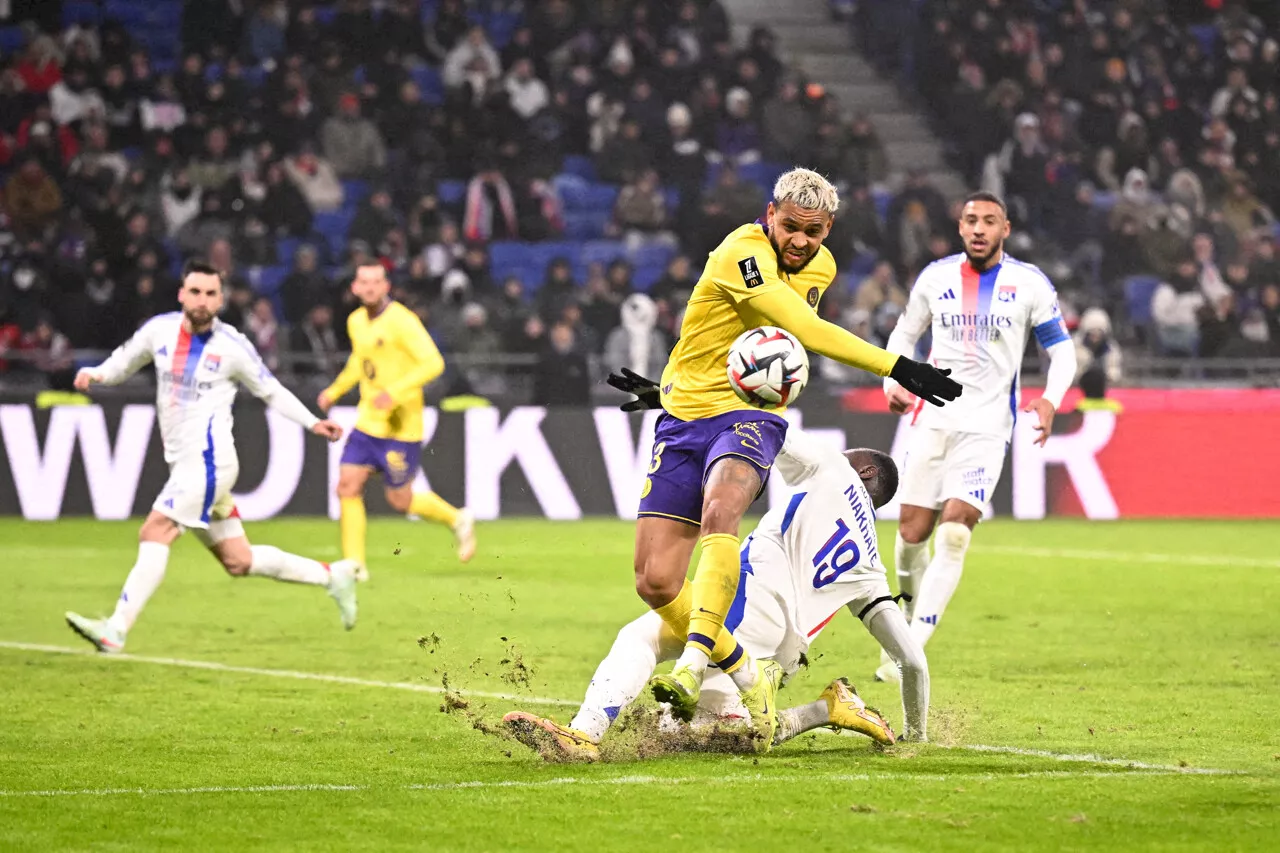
(212, 223)
(624, 156)
(529, 95)
(73, 99)
(878, 288)
(787, 124)
(490, 212)
(1098, 358)
(315, 342)
(563, 375)
(214, 166)
(510, 310)
(48, 351)
(558, 287)
(32, 200)
(10, 334)
(738, 134)
(472, 62)
(374, 218)
(476, 338)
(317, 180)
(677, 282)
(179, 200)
(351, 143)
(304, 286)
(641, 208)
(1175, 305)
(636, 343)
(263, 330)
(1242, 210)
(40, 66)
(161, 109)
(265, 31)
(684, 163)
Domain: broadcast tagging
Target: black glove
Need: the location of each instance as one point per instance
(925, 381)
(648, 395)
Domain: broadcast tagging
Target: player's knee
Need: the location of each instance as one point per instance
(915, 530)
(399, 499)
(953, 538)
(655, 590)
(911, 660)
(348, 488)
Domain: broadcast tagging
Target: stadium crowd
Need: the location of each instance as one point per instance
(1137, 140)
(540, 178)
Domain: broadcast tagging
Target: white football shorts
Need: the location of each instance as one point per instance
(944, 464)
(198, 494)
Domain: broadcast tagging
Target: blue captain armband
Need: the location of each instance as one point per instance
(1051, 332)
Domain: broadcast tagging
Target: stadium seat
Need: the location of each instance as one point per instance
(1207, 36)
(579, 195)
(584, 225)
(333, 228)
(1138, 290)
(267, 280)
(602, 251)
(286, 248)
(451, 192)
(645, 275)
(12, 40)
(81, 12)
(653, 255)
(325, 15)
(430, 82)
(213, 72)
(355, 192)
(583, 167)
(1104, 201)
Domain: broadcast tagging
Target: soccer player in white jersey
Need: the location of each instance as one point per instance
(981, 306)
(803, 564)
(199, 360)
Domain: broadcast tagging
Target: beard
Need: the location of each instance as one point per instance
(198, 317)
(782, 265)
(978, 261)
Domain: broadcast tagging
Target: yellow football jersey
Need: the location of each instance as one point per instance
(743, 266)
(391, 352)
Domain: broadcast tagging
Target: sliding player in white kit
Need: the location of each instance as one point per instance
(982, 306)
(199, 360)
(803, 564)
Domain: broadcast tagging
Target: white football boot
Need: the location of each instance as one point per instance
(105, 638)
(464, 534)
(342, 589)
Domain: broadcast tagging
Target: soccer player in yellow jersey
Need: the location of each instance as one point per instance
(712, 452)
(392, 357)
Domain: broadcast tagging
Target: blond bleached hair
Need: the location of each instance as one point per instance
(806, 188)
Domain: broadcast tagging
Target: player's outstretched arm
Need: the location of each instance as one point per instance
(126, 360)
(786, 309)
(254, 375)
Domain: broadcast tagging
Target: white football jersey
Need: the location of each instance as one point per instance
(196, 379)
(980, 323)
(827, 531)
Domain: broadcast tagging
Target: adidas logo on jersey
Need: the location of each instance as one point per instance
(929, 620)
(164, 350)
(980, 494)
(947, 294)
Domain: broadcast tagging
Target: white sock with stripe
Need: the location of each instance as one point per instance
(144, 579)
(910, 560)
(619, 679)
(271, 562)
(940, 579)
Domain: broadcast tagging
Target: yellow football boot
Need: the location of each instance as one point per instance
(680, 689)
(551, 740)
(846, 710)
(759, 700)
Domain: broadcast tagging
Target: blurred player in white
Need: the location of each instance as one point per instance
(802, 565)
(199, 360)
(981, 306)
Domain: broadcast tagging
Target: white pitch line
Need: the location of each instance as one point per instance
(543, 700)
(1130, 556)
(284, 673)
(752, 779)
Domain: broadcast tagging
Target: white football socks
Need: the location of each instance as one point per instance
(695, 658)
(910, 561)
(890, 628)
(144, 578)
(797, 721)
(620, 678)
(940, 579)
(271, 562)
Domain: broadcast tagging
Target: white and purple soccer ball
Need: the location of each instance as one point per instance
(767, 367)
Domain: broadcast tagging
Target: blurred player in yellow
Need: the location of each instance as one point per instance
(392, 357)
(712, 453)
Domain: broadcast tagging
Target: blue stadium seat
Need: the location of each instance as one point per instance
(580, 195)
(1104, 201)
(429, 81)
(267, 280)
(1138, 290)
(451, 192)
(671, 195)
(286, 248)
(653, 255)
(644, 276)
(12, 40)
(602, 251)
(255, 76)
(355, 192)
(333, 228)
(583, 167)
(213, 72)
(584, 225)
(81, 12)
(882, 201)
(1207, 35)
(325, 15)
(501, 26)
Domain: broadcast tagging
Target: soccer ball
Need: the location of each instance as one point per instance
(767, 367)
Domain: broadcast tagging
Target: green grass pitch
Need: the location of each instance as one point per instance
(1115, 666)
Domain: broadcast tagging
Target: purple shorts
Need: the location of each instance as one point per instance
(396, 461)
(684, 451)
